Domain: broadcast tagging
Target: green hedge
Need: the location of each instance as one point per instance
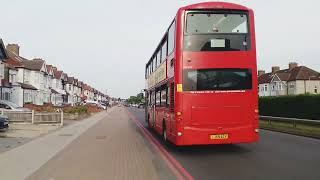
(302, 106)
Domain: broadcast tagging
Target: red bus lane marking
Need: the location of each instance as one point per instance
(163, 151)
(171, 166)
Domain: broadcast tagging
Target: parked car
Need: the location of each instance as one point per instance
(4, 123)
(96, 103)
(10, 106)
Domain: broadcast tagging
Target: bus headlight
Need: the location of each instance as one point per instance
(256, 130)
(179, 134)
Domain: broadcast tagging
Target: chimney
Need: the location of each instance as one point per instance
(292, 65)
(261, 72)
(13, 48)
(275, 69)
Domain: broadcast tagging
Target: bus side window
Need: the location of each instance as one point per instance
(164, 97)
(158, 98)
(171, 37)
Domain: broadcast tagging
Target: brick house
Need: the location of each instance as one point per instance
(291, 81)
(70, 90)
(57, 87)
(21, 76)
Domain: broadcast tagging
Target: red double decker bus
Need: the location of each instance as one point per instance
(201, 81)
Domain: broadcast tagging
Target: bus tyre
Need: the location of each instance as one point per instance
(164, 133)
(148, 122)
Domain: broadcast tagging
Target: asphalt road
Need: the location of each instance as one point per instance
(275, 156)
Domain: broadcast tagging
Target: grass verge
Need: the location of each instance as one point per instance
(301, 129)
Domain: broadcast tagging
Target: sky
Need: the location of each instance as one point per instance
(106, 43)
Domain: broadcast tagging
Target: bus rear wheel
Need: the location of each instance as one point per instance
(164, 133)
(148, 122)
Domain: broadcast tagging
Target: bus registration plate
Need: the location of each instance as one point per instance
(219, 136)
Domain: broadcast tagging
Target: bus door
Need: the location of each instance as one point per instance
(153, 109)
(153, 115)
(146, 100)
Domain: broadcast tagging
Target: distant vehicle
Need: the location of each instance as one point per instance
(10, 106)
(201, 79)
(96, 103)
(4, 123)
(119, 105)
(141, 105)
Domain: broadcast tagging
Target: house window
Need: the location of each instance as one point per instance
(26, 76)
(27, 96)
(265, 87)
(12, 78)
(316, 90)
(291, 85)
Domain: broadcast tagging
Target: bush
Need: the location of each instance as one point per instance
(77, 109)
(301, 106)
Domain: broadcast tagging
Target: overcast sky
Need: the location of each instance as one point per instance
(106, 43)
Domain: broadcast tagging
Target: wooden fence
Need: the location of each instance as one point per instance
(34, 117)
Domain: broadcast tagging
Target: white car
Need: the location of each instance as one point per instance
(10, 106)
(96, 103)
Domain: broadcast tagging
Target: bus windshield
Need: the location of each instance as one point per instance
(207, 23)
(217, 31)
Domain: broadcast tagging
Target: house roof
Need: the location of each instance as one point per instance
(65, 76)
(15, 57)
(49, 68)
(35, 64)
(297, 73)
(57, 74)
(70, 80)
(27, 86)
(13, 62)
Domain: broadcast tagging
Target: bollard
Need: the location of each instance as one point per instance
(32, 117)
(61, 122)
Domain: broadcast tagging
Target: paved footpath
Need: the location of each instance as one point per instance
(113, 148)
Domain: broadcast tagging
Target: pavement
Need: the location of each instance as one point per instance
(22, 161)
(111, 149)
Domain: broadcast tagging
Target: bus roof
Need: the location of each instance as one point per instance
(215, 5)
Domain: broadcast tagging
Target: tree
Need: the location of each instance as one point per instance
(136, 99)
